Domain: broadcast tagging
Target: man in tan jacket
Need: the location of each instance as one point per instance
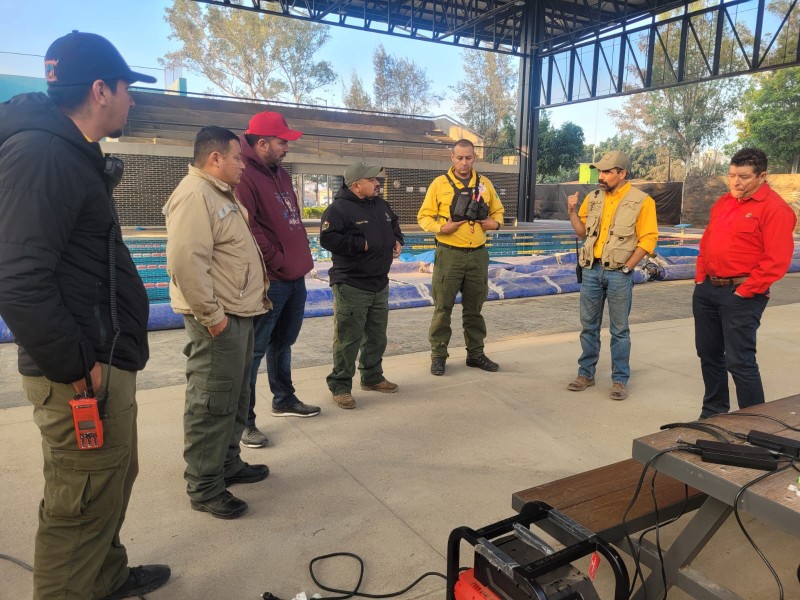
(218, 282)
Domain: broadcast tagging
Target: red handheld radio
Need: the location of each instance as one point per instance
(88, 425)
(86, 413)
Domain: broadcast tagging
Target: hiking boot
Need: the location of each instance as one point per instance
(384, 385)
(141, 580)
(222, 506)
(618, 391)
(344, 400)
(580, 383)
(437, 365)
(253, 438)
(248, 474)
(481, 362)
(295, 409)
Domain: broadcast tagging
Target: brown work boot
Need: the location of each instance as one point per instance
(384, 385)
(618, 391)
(344, 400)
(580, 383)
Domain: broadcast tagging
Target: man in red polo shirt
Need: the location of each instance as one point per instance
(746, 247)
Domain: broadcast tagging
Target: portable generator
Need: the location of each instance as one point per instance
(513, 563)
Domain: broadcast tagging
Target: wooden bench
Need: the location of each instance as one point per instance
(597, 500)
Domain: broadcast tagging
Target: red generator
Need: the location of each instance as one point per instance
(513, 563)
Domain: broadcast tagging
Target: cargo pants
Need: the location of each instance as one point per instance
(360, 319)
(78, 554)
(457, 271)
(217, 402)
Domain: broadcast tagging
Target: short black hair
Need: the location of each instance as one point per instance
(464, 142)
(252, 138)
(70, 97)
(750, 157)
(211, 139)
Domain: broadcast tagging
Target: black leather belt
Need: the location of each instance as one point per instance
(727, 281)
(460, 249)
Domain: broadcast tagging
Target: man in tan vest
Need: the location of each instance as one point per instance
(618, 226)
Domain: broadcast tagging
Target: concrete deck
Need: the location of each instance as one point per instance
(390, 479)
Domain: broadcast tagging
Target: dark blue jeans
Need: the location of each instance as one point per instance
(275, 332)
(725, 327)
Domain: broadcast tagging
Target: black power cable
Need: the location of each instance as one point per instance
(355, 591)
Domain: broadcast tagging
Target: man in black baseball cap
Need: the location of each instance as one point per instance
(81, 58)
(71, 295)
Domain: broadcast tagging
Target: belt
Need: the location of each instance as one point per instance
(727, 281)
(460, 249)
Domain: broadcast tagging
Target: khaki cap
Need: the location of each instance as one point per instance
(612, 159)
(360, 170)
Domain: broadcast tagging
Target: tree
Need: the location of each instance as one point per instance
(296, 47)
(355, 96)
(689, 117)
(560, 150)
(771, 121)
(249, 54)
(400, 86)
(488, 105)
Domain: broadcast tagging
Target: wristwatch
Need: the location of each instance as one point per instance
(625, 270)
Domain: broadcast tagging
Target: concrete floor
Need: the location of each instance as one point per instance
(390, 479)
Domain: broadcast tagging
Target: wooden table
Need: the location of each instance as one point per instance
(769, 501)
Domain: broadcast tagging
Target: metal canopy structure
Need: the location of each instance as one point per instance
(578, 50)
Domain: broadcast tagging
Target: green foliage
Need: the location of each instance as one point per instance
(680, 121)
(400, 86)
(771, 107)
(355, 96)
(313, 212)
(249, 54)
(560, 150)
(488, 105)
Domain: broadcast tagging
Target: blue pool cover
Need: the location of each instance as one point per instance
(410, 279)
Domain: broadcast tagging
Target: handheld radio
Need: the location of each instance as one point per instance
(86, 414)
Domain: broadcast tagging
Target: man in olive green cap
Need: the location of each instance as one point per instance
(363, 235)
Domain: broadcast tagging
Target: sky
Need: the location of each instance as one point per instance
(137, 28)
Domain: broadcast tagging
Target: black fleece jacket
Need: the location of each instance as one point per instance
(56, 213)
(346, 224)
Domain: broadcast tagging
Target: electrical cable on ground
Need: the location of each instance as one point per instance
(355, 591)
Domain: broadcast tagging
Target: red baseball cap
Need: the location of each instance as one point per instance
(272, 124)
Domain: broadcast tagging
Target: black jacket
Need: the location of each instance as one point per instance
(346, 224)
(55, 217)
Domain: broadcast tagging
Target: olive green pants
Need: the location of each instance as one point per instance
(217, 402)
(466, 272)
(78, 553)
(360, 319)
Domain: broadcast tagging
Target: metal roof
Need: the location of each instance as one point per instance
(488, 24)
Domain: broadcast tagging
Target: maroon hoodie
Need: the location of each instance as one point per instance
(276, 219)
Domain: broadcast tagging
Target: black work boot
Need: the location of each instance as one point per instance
(437, 365)
(141, 580)
(248, 474)
(222, 506)
(482, 362)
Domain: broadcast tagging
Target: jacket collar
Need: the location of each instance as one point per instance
(454, 177)
(758, 196)
(218, 183)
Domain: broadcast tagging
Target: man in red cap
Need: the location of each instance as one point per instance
(276, 221)
(72, 297)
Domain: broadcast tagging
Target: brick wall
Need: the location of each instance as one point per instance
(149, 181)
